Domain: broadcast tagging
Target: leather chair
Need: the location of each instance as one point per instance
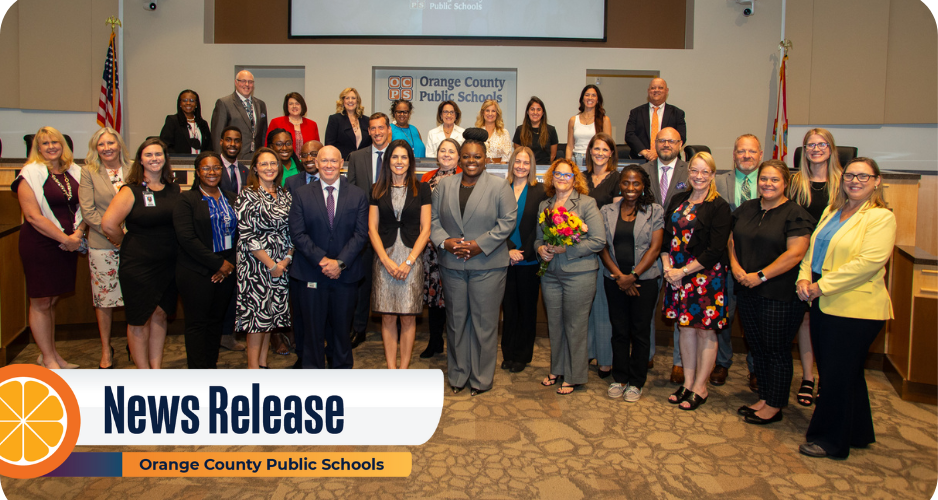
(28, 138)
(690, 150)
(624, 151)
(844, 154)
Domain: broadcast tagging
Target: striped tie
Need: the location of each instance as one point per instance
(330, 205)
(745, 191)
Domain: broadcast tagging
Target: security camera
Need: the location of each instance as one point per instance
(748, 11)
(151, 5)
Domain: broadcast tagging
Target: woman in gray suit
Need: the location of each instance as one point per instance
(106, 167)
(472, 216)
(569, 284)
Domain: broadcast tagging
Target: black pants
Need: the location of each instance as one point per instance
(842, 418)
(519, 308)
(363, 300)
(205, 304)
(325, 314)
(631, 319)
(437, 317)
(771, 326)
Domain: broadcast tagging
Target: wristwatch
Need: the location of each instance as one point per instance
(409, 262)
(762, 276)
(341, 265)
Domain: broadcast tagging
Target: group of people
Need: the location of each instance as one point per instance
(315, 251)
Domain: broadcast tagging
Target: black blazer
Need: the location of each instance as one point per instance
(339, 133)
(409, 225)
(638, 128)
(175, 134)
(194, 234)
(714, 222)
(527, 222)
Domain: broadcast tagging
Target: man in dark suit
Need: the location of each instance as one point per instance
(363, 167)
(244, 111)
(233, 179)
(646, 120)
(668, 175)
(308, 154)
(329, 226)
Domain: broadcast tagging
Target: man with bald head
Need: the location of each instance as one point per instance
(308, 154)
(329, 227)
(244, 111)
(647, 120)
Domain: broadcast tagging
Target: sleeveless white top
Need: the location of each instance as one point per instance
(581, 135)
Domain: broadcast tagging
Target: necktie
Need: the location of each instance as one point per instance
(663, 183)
(654, 126)
(330, 205)
(745, 194)
(249, 107)
(234, 177)
(378, 167)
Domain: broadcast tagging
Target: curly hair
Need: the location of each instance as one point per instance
(579, 181)
(647, 197)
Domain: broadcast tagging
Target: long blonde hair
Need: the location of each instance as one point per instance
(705, 157)
(800, 188)
(499, 122)
(877, 200)
(532, 174)
(36, 157)
(93, 160)
(340, 104)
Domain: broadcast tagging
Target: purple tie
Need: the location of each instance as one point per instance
(330, 205)
(663, 183)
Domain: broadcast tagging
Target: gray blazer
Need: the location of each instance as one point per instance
(647, 222)
(583, 255)
(229, 111)
(726, 186)
(677, 178)
(95, 193)
(360, 166)
(491, 214)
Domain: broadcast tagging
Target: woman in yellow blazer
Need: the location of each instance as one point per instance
(842, 276)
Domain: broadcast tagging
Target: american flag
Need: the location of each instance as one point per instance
(110, 90)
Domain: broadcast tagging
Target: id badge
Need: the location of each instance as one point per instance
(227, 242)
(149, 200)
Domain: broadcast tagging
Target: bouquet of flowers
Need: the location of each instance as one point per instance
(561, 228)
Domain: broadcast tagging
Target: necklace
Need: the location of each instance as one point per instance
(66, 189)
(822, 188)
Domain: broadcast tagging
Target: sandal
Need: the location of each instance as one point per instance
(572, 387)
(285, 346)
(550, 380)
(693, 400)
(806, 393)
(681, 394)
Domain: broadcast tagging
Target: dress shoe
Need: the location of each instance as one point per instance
(745, 411)
(232, 344)
(677, 374)
(431, 350)
(756, 419)
(517, 367)
(506, 364)
(718, 375)
(812, 450)
(753, 383)
(604, 373)
(357, 339)
(651, 364)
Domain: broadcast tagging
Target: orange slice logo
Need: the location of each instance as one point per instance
(39, 421)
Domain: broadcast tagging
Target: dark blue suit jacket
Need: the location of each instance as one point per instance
(227, 183)
(313, 239)
(295, 181)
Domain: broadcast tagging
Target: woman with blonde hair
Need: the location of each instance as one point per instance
(697, 224)
(813, 187)
(499, 143)
(344, 129)
(106, 168)
(51, 234)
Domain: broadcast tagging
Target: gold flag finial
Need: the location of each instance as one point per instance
(113, 21)
(785, 45)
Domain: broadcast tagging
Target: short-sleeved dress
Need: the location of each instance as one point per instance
(147, 270)
(389, 295)
(263, 301)
(50, 271)
(699, 303)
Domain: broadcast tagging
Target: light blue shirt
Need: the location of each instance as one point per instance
(823, 240)
(412, 136)
(753, 187)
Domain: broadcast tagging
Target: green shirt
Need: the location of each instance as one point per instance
(289, 171)
(753, 185)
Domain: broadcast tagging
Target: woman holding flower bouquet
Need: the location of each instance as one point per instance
(569, 235)
(697, 224)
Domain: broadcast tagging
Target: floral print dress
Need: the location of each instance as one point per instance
(699, 301)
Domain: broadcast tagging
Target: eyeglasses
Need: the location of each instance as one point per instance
(288, 144)
(273, 164)
(402, 112)
(563, 176)
(211, 168)
(313, 154)
(190, 101)
(448, 113)
(245, 82)
(672, 142)
(859, 177)
(817, 145)
(700, 172)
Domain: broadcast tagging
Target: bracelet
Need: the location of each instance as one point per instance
(684, 270)
(289, 257)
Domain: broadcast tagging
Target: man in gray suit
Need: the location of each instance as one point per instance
(736, 187)
(363, 167)
(244, 111)
(668, 175)
(473, 263)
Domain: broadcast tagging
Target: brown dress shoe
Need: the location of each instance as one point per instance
(753, 383)
(677, 374)
(651, 364)
(718, 375)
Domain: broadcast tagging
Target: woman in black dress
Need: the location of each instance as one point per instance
(207, 229)
(399, 229)
(148, 250)
(47, 190)
(529, 133)
(602, 180)
(813, 187)
(186, 132)
(769, 239)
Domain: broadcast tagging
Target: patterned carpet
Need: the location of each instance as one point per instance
(521, 440)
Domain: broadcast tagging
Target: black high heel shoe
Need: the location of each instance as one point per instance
(130, 357)
(112, 362)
